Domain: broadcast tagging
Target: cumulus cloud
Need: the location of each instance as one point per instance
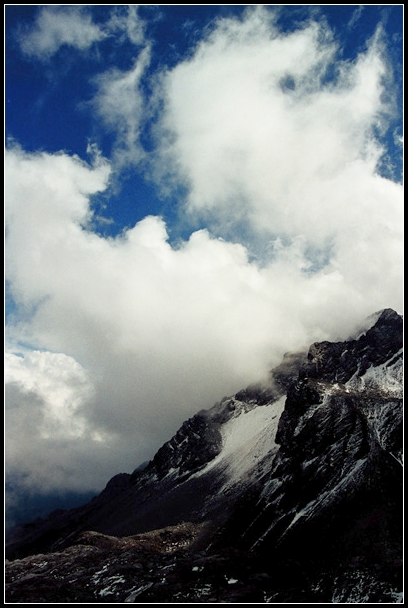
(258, 133)
(254, 127)
(141, 333)
(60, 25)
(59, 382)
(51, 448)
(161, 332)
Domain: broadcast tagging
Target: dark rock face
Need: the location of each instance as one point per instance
(316, 518)
(337, 362)
(332, 500)
(193, 446)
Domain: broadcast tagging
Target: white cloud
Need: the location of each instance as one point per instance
(125, 21)
(259, 136)
(355, 16)
(255, 130)
(46, 426)
(73, 26)
(56, 26)
(59, 382)
(161, 332)
(119, 103)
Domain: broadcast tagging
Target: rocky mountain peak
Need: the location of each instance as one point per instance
(196, 443)
(339, 361)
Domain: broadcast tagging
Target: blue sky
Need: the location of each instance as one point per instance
(191, 191)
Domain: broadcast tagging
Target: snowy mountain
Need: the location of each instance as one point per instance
(280, 493)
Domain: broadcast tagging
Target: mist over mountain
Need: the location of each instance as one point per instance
(290, 490)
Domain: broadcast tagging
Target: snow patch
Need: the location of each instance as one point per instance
(387, 377)
(246, 439)
(112, 581)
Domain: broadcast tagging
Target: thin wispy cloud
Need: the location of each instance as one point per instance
(266, 138)
(56, 26)
(120, 104)
(125, 22)
(355, 16)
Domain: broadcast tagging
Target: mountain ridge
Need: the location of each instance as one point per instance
(267, 471)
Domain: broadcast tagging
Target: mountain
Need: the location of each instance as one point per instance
(289, 492)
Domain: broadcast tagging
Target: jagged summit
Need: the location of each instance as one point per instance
(339, 361)
(386, 316)
(292, 490)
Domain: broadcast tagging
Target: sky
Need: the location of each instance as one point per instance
(191, 192)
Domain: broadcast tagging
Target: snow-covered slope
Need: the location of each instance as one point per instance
(247, 437)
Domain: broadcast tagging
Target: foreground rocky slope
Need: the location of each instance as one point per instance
(290, 492)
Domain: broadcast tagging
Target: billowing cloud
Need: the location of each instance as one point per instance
(60, 383)
(259, 134)
(255, 127)
(56, 26)
(160, 331)
(51, 448)
(132, 334)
